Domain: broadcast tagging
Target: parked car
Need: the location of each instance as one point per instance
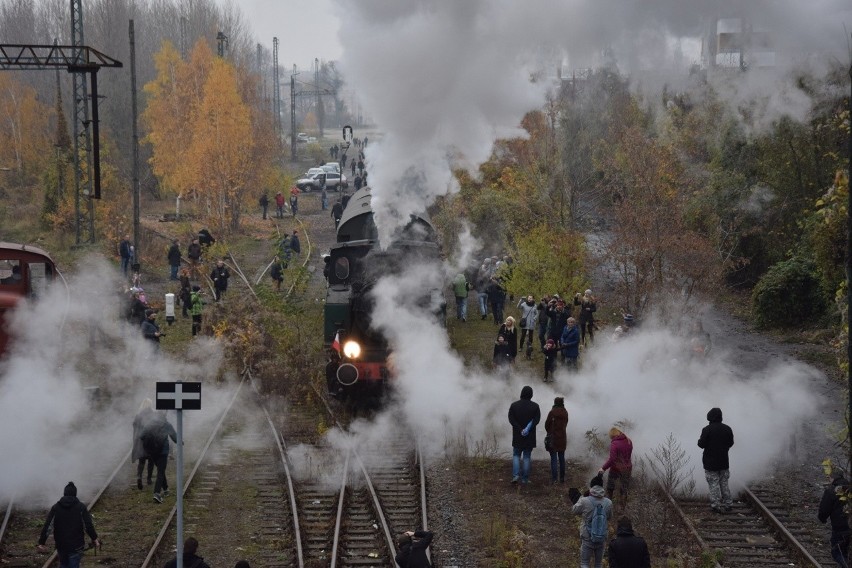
(332, 167)
(302, 138)
(312, 172)
(333, 181)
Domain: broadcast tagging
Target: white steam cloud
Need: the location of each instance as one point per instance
(72, 383)
(443, 79)
(645, 380)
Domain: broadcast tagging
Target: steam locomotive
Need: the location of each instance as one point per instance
(25, 272)
(358, 354)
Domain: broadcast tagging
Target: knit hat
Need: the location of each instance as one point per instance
(70, 490)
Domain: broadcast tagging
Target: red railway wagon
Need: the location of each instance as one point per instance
(25, 272)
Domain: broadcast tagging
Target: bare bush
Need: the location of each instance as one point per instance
(669, 461)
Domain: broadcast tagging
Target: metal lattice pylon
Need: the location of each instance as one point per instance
(82, 170)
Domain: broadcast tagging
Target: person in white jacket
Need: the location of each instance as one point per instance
(529, 319)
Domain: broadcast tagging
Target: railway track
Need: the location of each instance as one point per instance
(379, 492)
(763, 529)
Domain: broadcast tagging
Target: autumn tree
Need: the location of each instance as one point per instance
(547, 259)
(174, 98)
(24, 129)
(211, 137)
(657, 259)
(220, 157)
(57, 174)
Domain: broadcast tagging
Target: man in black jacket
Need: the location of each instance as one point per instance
(150, 329)
(831, 507)
(69, 519)
(220, 276)
(627, 550)
(716, 439)
(174, 259)
(412, 549)
(524, 414)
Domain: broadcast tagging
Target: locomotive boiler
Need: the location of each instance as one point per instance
(358, 353)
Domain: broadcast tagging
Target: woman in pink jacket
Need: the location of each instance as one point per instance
(619, 464)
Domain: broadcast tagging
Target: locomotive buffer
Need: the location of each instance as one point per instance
(179, 396)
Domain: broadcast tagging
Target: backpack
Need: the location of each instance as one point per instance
(152, 442)
(598, 525)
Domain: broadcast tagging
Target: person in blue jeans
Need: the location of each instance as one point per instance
(70, 521)
(524, 414)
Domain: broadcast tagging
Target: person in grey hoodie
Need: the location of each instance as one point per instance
(585, 507)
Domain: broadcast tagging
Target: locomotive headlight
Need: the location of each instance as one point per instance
(351, 349)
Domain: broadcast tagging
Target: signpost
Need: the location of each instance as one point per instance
(179, 396)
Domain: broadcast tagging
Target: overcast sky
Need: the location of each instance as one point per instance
(307, 29)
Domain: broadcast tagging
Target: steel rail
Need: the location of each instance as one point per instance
(689, 525)
(282, 451)
(239, 272)
(377, 503)
(423, 513)
(304, 262)
(775, 522)
(339, 521)
(191, 476)
(6, 518)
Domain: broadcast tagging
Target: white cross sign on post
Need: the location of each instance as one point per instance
(179, 396)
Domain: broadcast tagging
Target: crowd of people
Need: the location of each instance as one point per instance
(188, 295)
(596, 507)
(560, 335)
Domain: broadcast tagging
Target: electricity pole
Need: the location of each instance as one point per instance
(183, 46)
(135, 140)
(276, 88)
(293, 114)
(849, 270)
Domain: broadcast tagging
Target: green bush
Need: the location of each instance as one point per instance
(788, 294)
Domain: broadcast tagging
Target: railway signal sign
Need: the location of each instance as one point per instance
(178, 396)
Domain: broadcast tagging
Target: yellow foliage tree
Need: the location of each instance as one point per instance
(174, 98)
(24, 128)
(220, 156)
